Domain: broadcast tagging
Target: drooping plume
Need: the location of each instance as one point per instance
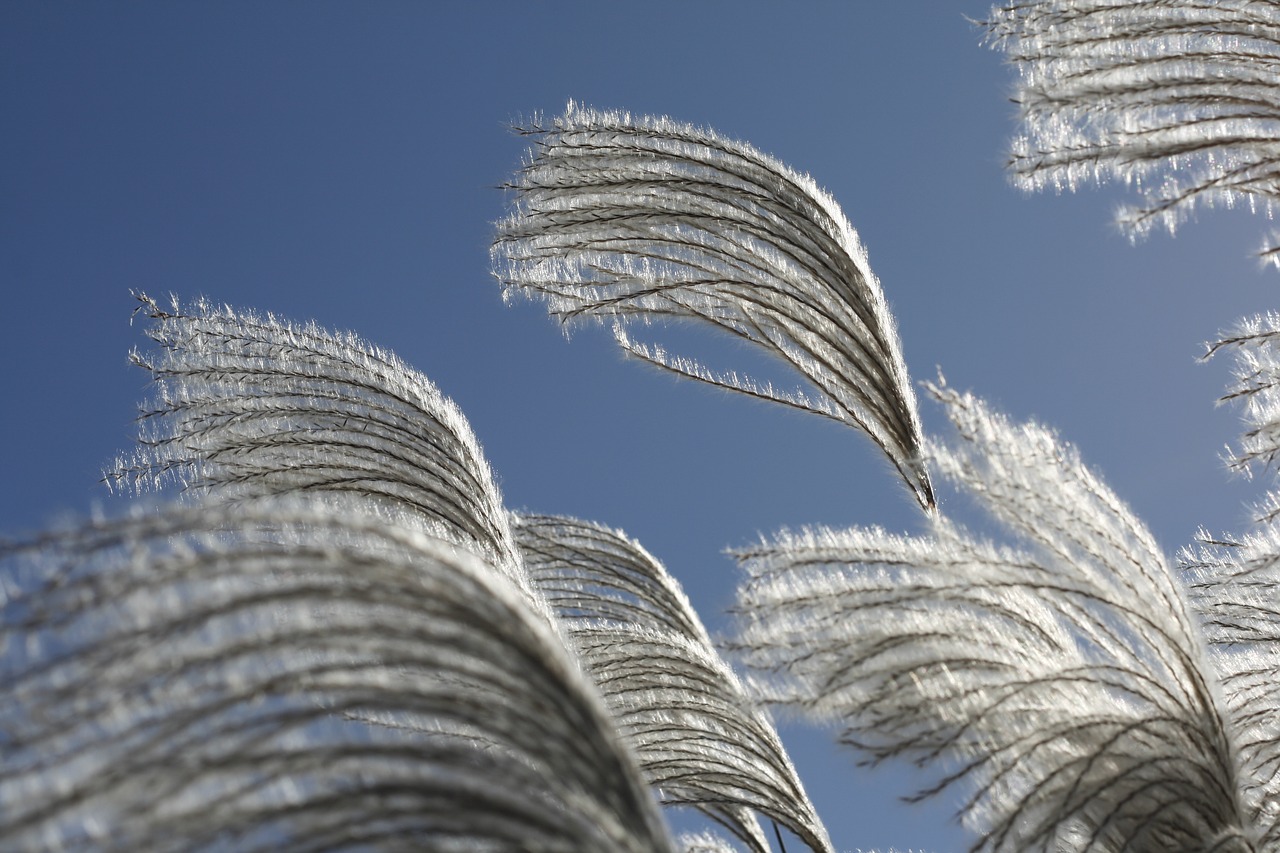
(1181, 97)
(630, 218)
(200, 680)
(698, 738)
(1059, 683)
(249, 406)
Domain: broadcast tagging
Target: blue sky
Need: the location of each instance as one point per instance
(340, 162)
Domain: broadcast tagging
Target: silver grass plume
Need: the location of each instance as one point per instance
(247, 406)
(1060, 681)
(1181, 97)
(698, 738)
(196, 680)
(1234, 586)
(631, 219)
(1235, 583)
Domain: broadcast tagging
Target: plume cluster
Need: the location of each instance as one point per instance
(199, 679)
(1059, 679)
(1182, 95)
(1178, 96)
(346, 640)
(263, 422)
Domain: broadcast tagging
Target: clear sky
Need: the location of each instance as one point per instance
(339, 162)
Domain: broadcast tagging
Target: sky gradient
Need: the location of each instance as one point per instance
(342, 163)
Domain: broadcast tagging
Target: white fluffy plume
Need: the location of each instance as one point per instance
(625, 217)
(699, 739)
(1179, 96)
(247, 406)
(1235, 583)
(1235, 587)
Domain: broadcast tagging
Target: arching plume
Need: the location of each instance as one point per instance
(248, 406)
(197, 680)
(698, 738)
(645, 218)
